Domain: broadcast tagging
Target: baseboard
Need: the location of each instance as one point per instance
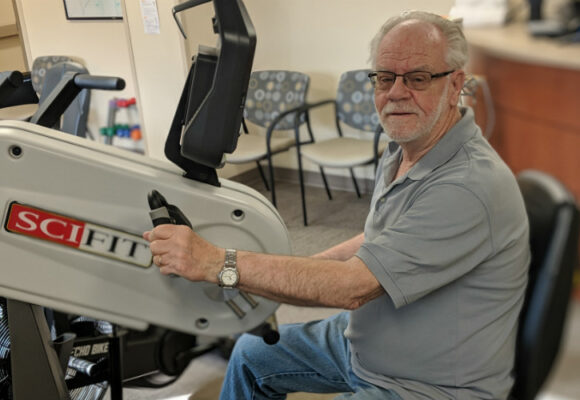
(311, 178)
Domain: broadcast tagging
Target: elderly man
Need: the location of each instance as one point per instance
(435, 284)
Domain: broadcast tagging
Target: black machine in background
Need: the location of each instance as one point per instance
(564, 26)
(16, 89)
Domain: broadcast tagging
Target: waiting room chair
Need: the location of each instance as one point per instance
(353, 107)
(272, 102)
(554, 221)
(474, 88)
(46, 73)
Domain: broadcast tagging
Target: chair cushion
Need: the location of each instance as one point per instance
(355, 99)
(253, 148)
(342, 152)
(40, 66)
(273, 92)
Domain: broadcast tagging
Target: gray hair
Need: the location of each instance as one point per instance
(456, 56)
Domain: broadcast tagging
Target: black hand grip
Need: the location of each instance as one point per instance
(156, 200)
(159, 212)
(86, 81)
(163, 212)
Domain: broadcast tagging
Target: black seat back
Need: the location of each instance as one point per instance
(553, 217)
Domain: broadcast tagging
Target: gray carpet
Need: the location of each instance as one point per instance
(330, 222)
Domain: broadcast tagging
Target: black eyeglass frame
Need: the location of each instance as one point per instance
(373, 75)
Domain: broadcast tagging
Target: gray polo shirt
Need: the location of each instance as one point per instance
(448, 241)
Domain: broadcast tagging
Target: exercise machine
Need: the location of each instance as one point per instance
(73, 212)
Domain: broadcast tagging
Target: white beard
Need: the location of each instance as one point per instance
(420, 131)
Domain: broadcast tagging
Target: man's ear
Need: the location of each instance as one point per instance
(457, 81)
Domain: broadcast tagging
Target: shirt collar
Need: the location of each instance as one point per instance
(443, 150)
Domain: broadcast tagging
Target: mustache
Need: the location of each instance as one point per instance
(398, 108)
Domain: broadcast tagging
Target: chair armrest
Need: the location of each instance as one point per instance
(244, 126)
(308, 106)
(297, 110)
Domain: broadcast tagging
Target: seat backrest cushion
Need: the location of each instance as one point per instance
(40, 66)
(355, 101)
(74, 120)
(553, 217)
(273, 92)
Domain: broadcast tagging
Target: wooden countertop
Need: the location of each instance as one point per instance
(514, 42)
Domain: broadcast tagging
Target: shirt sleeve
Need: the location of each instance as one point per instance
(442, 235)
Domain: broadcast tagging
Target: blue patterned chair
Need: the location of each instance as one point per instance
(46, 73)
(272, 102)
(354, 106)
(40, 67)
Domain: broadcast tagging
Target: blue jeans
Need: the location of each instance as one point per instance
(313, 357)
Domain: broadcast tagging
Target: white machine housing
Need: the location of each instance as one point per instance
(97, 193)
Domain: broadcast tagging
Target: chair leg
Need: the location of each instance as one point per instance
(272, 188)
(325, 183)
(261, 171)
(354, 182)
(302, 192)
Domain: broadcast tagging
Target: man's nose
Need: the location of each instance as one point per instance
(399, 89)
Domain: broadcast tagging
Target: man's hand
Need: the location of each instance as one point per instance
(178, 250)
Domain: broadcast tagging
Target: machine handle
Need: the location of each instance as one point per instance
(159, 213)
(163, 212)
(184, 6)
(86, 81)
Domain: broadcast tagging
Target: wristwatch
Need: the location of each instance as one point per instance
(229, 276)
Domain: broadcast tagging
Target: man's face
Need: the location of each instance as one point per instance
(406, 114)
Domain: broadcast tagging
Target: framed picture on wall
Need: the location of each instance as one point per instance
(93, 9)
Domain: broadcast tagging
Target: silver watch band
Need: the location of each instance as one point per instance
(231, 258)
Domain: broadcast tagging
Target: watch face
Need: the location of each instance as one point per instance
(229, 277)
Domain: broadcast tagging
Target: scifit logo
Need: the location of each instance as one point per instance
(80, 235)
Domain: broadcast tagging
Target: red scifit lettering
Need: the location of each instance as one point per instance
(44, 225)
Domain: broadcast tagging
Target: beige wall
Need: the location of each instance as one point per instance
(160, 69)
(101, 45)
(11, 53)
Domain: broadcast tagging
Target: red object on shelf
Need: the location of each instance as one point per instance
(124, 103)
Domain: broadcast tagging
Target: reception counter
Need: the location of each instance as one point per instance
(535, 87)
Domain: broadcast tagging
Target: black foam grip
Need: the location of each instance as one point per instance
(86, 81)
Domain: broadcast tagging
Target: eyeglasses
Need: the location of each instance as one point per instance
(416, 80)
